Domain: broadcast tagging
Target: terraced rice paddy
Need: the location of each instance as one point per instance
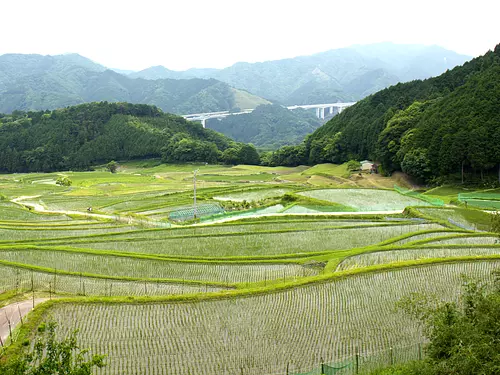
(77, 262)
(24, 280)
(255, 295)
(365, 199)
(260, 244)
(399, 255)
(262, 334)
(252, 195)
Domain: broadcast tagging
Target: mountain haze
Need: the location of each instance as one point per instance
(346, 74)
(35, 82)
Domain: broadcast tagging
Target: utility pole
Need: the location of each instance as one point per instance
(194, 186)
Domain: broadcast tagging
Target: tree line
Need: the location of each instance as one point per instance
(77, 137)
(436, 129)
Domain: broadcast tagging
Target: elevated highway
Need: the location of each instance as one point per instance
(332, 108)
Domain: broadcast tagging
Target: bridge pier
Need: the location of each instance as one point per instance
(320, 113)
(331, 110)
(203, 122)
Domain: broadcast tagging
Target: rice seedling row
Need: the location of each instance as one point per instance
(365, 199)
(423, 236)
(33, 234)
(261, 243)
(399, 255)
(158, 269)
(263, 334)
(25, 280)
(463, 240)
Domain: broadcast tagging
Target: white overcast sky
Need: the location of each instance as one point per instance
(181, 34)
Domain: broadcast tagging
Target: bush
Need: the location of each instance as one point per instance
(353, 165)
(112, 166)
(50, 356)
(64, 181)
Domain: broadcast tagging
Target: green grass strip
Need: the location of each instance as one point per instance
(101, 237)
(53, 271)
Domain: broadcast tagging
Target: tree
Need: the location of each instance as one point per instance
(353, 165)
(112, 166)
(495, 223)
(464, 338)
(51, 357)
(416, 164)
(64, 181)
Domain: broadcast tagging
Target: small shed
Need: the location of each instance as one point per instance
(366, 165)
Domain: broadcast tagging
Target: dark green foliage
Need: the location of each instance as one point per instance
(441, 125)
(64, 181)
(465, 338)
(80, 136)
(288, 156)
(112, 166)
(353, 165)
(268, 126)
(51, 357)
(495, 223)
(416, 164)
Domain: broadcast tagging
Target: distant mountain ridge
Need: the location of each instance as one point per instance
(36, 82)
(345, 74)
(441, 129)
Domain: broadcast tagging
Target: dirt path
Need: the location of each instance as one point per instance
(12, 313)
(39, 208)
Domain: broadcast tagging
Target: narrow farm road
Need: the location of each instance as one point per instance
(12, 314)
(39, 208)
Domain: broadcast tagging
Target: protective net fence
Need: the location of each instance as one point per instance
(190, 213)
(414, 194)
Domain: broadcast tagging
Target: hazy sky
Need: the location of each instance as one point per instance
(181, 34)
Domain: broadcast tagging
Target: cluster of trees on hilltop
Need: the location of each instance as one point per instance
(434, 128)
(80, 136)
(268, 126)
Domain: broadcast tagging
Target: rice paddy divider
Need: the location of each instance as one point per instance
(60, 272)
(278, 259)
(103, 236)
(37, 315)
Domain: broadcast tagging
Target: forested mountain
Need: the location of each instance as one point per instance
(35, 82)
(346, 74)
(436, 128)
(80, 136)
(268, 126)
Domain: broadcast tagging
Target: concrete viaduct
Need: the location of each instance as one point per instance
(332, 108)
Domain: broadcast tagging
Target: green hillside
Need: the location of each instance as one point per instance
(80, 136)
(439, 127)
(35, 82)
(268, 126)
